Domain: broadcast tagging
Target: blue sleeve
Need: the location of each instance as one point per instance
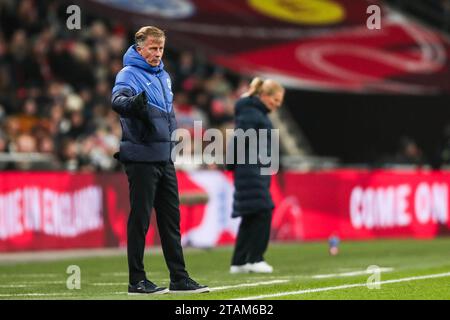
(123, 93)
(125, 79)
(121, 102)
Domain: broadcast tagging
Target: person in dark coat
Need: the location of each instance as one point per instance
(142, 96)
(252, 199)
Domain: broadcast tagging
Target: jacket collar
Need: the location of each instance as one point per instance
(258, 104)
(133, 58)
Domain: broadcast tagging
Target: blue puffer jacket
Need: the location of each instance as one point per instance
(140, 144)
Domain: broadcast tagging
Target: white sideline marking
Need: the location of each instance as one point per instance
(13, 286)
(120, 292)
(254, 284)
(30, 283)
(115, 274)
(101, 284)
(31, 275)
(45, 282)
(349, 274)
(123, 274)
(345, 286)
(34, 294)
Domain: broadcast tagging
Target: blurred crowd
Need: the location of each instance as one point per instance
(434, 12)
(55, 88)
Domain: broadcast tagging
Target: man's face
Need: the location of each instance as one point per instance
(152, 50)
(273, 101)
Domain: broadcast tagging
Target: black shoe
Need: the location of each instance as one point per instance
(187, 285)
(146, 287)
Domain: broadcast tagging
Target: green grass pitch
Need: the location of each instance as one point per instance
(414, 269)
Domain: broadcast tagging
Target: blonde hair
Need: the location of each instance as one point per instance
(259, 86)
(149, 31)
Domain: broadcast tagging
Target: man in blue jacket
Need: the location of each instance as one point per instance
(142, 96)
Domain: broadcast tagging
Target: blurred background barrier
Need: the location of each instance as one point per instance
(61, 210)
(364, 130)
(370, 204)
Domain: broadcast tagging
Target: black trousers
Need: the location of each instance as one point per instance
(154, 185)
(252, 239)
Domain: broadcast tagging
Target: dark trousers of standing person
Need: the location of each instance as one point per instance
(252, 238)
(154, 185)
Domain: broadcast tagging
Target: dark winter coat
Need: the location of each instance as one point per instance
(252, 190)
(149, 140)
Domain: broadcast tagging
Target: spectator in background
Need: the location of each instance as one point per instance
(3, 142)
(46, 145)
(409, 153)
(184, 69)
(72, 159)
(187, 113)
(24, 143)
(69, 155)
(3, 149)
(78, 126)
(446, 12)
(441, 155)
(217, 85)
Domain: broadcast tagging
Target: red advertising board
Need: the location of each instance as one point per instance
(64, 210)
(50, 210)
(41, 211)
(357, 204)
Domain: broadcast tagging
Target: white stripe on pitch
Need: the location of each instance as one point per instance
(254, 284)
(31, 275)
(104, 284)
(34, 294)
(13, 285)
(30, 284)
(350, 274)
(345, 286)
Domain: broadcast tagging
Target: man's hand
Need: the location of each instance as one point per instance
(139, 107)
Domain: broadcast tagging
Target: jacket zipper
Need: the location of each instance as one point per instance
(164, 94)
(166, 114)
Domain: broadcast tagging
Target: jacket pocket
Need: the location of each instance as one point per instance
(134, 130)
(162, 132)
(161, 124)
(144, 132)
